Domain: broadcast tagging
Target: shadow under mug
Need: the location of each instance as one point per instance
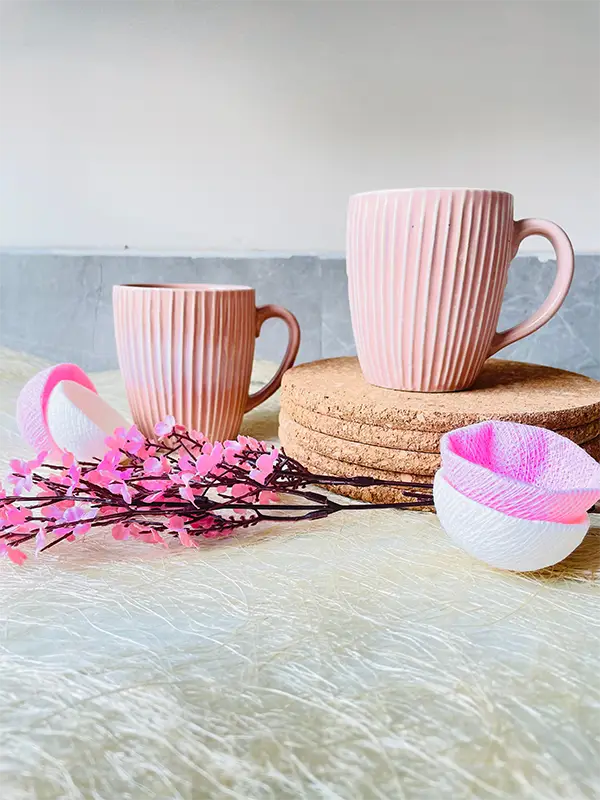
(427, 269)
(186, 350)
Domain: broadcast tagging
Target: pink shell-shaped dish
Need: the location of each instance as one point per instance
(32, 404)
(521, 470)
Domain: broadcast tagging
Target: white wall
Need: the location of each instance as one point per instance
(235, 126)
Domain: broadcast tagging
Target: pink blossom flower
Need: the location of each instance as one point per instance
(135, 440)
(11, 515)
(40, 539)
(241, 490)
(154, 486)
(120, 531)
(154, 498)
(184, 478)
(22, 472)
(110, 461)
(186, 540)
(133, 530)
(151, 537)
(117, 440)
(203, 523)
(232, 453)
(15, 555)
(203, 465)
(79, 515)
(186, 464)
(73, 476)
(249, 442)
(108, 471)
(268, 497)
(264, 466)
(122, 489)
(156, 466)
(176, 524)
(100, 477)
(123, 474)
(106, 511)
(76, 513)
(210, 458)
(187, 493)
(165, 428)
(56, 510)
(29, 526)
(197, 437)
(215, 534)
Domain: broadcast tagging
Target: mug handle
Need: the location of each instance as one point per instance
(565, 266)
(267, 312)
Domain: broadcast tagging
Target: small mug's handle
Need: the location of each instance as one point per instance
(565, 265)
(263, 313)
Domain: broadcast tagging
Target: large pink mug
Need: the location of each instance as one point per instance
(427, 269)
(186, 350)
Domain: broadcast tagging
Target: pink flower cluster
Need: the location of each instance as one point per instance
(177, 486)
(180, 485)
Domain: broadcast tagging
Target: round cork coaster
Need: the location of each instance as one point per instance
(368, 494)
(506, 390)
(420, 441)
(365, 455)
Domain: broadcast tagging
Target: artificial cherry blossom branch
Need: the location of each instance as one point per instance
(179, 486)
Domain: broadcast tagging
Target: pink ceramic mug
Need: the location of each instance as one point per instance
(187, 350)
(427, 269)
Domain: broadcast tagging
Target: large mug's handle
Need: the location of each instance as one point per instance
(565, 265)
(263, 313)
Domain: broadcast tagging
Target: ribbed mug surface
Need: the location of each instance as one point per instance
(427, 269)
(186, 350)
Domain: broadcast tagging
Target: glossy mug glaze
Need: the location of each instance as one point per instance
(427, 269)
(186, 350)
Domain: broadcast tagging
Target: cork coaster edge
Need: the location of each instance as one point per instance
(359, 453)
(409, 439)
(378, 435)
(401, 410)
(367, 494)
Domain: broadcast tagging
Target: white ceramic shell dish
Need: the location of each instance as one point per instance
(500, 540)
(80, 420)
(32, 404)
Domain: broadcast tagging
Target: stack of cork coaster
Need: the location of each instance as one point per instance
(335, 423)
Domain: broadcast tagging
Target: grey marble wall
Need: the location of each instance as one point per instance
(59, 306)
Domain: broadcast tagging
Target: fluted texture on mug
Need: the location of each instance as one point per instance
(427, 271)
(186, 353)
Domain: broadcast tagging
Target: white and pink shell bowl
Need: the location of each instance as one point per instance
(60, 410)
(515, 496)
(32, 405)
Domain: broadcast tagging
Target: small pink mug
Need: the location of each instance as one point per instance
(186, 350)
(427, 269)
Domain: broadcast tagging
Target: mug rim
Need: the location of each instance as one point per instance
(432, 189)
(182, 287)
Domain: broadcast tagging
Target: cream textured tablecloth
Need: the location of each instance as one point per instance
(362, 656)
